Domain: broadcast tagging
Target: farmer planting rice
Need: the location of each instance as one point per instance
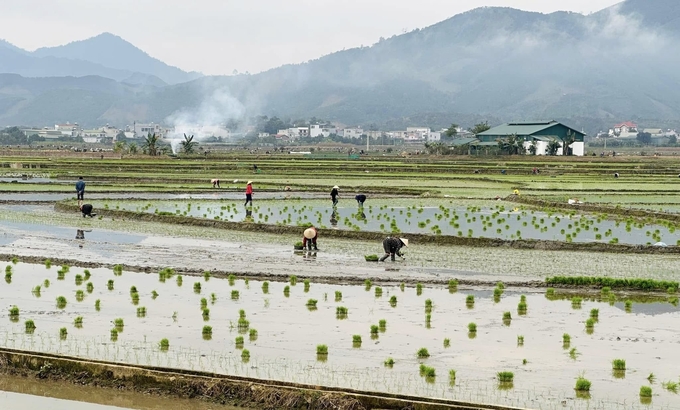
(309, 238)
(361, 198)
(392, 247)
(86, 209)
(249, 193)
(334, 195)
(215, 183)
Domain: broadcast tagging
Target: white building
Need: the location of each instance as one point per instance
(352, 132)
(142, 130)
(433, 136)
(327, 131)
(263, 135)
(315, 130)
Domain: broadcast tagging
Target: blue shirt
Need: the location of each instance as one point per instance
(80, 186)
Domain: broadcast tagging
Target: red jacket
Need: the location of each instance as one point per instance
(249, 190)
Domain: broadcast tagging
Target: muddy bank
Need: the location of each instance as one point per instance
(378, 236)
(614, 210)
(244, 392)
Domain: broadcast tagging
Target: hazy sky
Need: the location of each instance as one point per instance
(218, 36)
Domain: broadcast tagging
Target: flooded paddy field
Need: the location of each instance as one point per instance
(44, 233)
(281, 325)
(472, 218)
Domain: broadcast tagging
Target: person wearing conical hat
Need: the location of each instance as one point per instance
(392, 247)
(249, 193)
(309, 238)
(334, 195)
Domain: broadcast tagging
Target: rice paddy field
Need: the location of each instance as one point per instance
(432, 325)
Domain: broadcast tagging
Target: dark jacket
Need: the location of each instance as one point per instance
(80, 186)
(86, 209)
(360, 198)
(393, 245)
(334, 193)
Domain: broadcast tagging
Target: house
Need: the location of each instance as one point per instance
(352, 132)
(433, 136)
(625, 129)
(315, 130)
(327, 131)
(142, 130)
(263, 135)
(539, 132)
(68, 129)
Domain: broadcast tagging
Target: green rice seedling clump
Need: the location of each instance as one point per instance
(472, 327)
(322, 350)
(356, 340)
(252, 334)
(97, 305)
(78, 322)
(582, 385)
(61, 302)
(505, 377)
(90, 287)
(389, 362)
(63, 332)
(164, 344)
(197, 287)
(613, 283)
(423, 353)
(645, 391)
(447, 342)
(245, 355)
(393, 301)
(29, 326)
(453, 285)
(619, 364)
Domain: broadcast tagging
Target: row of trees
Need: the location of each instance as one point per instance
(153, 146)
(14, 136)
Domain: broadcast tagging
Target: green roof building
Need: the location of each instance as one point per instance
(539, 132)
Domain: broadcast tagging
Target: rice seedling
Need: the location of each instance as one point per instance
(389, 362)
(293, 280)
(594, 314)
(522, 308)
(48, 263)
(356, 341)
(374, 331)
(524, 361)
(590, 325)
(605, 290)
(423, 353)
(206, 314)
(109, 284)
(470, 301)
(500, 286)
(80, 295)
(472, 327)
(428, 305)
(573, 353)
(79, 280)
(204, 303)
(576, 302)
(452, 376)
(114, 334)
(566, 339)
(338, 296)
(245, 355)
(645, 391)
(619, 364)
(628, 306)
(239, 342)
(164, 345)
(453, 286)
(311, 304)
(243, 324)
(378, 292)
(382, 325)
(286, 291)
(368, 284)
(505, 377)
(428, 372)
(118, 270)
(29, 326)
(520, 340)
(206, 276)
(179, 280)
(428, 321)
(550, 292)
(670, 386)
(14, 313)
(393, 301)
(341, 312)
(78, 322)
(154, 294)
(197, 287)
(523, 299)
(252, 334)
(612, 299)
(97, 305)
(630, 284)
(582, 384)
(206, 332)
(402, 286)
(36, 291)
(141, 312)
(90, 287)
(265, 287)
(119, 324)
(63, 332)
(87, 274)
(447, 342)
(322, 350)
(507, 316)
(61, 302)
(497, 293)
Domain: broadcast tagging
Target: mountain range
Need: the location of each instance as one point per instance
(501, 63)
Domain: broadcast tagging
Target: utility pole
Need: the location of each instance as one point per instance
(368, 142)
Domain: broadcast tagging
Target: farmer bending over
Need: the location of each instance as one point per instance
(215, 183)
(309, 238)
(361, 198)
(86, 209)
(392, 246)
(334, 195)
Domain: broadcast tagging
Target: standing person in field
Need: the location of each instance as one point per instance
(334, 195)
(249, 193)
(361, 198)
(392, 247)
(309, 238)
(80, 191)
(215, 183)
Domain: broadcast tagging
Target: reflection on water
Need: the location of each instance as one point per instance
(28, 394)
